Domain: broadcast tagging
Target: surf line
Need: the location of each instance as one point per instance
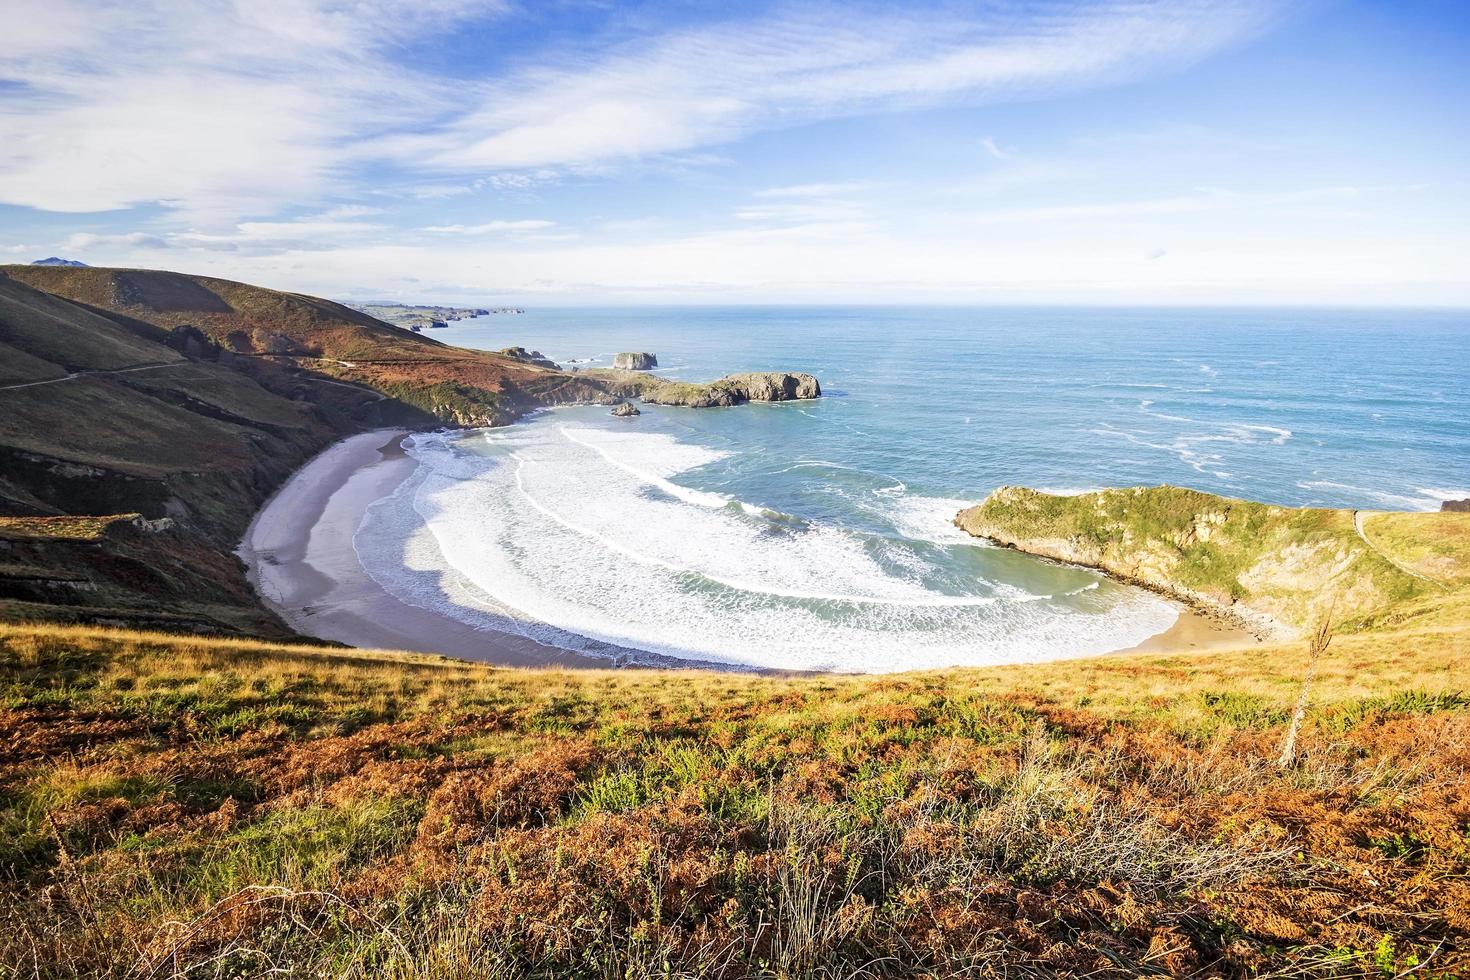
(751, 587)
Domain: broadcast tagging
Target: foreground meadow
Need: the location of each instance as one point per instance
(175, 807)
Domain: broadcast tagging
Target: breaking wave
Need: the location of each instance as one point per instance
(582, 537)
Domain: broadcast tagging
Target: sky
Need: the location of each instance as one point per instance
(561, 152)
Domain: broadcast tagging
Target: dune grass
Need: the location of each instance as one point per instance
(173, 806)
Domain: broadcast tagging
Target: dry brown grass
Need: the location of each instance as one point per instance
(172, 806)
(59, 528)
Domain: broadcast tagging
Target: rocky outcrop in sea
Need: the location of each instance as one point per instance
(635, 361)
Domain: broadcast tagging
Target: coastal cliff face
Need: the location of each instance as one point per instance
(1277, 570)
(734, 389)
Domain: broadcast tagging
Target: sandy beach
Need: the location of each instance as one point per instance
(1194, 632)
(301, 559)
(302, 562)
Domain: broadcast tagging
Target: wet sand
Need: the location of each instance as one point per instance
(301, 560)
(1194, 632)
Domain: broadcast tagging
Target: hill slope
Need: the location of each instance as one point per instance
(183, 807)
(1278, 568)
(103, 415)
(455, 385)
(164, 395)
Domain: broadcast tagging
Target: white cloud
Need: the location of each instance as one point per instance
(136, 239)
(711, 85)
(817, 190)
(491, 227)
(226, 110)
(994, 149)
(216, 108)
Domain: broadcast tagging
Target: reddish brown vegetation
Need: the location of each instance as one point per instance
(178, 807)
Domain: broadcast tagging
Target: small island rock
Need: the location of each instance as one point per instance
(635, 361)
(625, 410)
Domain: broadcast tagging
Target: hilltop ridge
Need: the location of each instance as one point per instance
(455, 385)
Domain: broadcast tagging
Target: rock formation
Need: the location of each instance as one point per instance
(735, 389)
(1456, 506)
(530, 357)
(625, 410)
(1276, 570)
(635, 361)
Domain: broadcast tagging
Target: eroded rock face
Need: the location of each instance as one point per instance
(1277, 570)
(737, 389)
(635, 361)
(1456, 506)
(625, 410)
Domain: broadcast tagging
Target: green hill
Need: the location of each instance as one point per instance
(452, 384)
(1280, 569)
(198, 808)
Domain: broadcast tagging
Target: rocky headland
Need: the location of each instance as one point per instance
(529, 357)
(1275, 570)
(634, 361)
(418, 317)
(734, 389)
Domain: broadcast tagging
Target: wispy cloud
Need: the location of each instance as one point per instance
(711, 85)
(994, 149)
(492, 227)
(217, 109)
(223, 110)
(135, 239)
(817, 190)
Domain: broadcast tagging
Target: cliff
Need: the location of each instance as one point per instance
(735, 389)
(425, 380)
(1275, 569)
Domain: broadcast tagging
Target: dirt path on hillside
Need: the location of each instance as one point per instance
(85, 374)
(1358, 518)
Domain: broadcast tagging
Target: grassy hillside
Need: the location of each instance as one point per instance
(183, 807)
(192, 398)
(452, 384)
(102, 414)
(1275, 566)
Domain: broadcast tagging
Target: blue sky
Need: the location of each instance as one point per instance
(1119, 151)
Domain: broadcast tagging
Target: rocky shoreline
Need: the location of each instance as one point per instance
(734, 389)
(1274, 571)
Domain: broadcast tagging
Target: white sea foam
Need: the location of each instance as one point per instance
(582, 537)
(1426, 499)
(931, 519)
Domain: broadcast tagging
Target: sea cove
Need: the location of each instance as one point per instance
(827, 524)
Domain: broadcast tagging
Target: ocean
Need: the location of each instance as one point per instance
(818, 535)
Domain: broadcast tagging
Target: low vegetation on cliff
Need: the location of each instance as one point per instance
(734, 389)
(175, 807)
(1280, 568)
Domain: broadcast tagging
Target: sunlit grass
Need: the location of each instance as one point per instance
(198, 807)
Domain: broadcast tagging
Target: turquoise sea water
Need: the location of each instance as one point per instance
(817, 534)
